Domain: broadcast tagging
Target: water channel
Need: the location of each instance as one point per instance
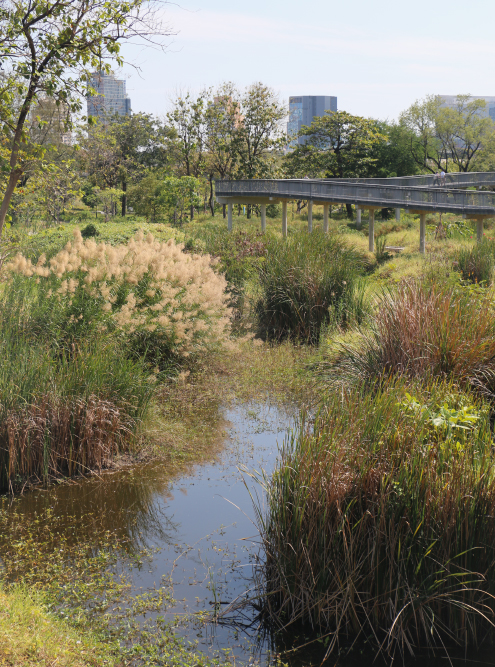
(197, 528)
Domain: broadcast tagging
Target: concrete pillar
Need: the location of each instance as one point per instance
(326, 207)
(310, 216)
(263, 218)
(284, 219)
(358, 218)
(371, 231)
(229, 216)
(422, 233)
(397, 214)
(479, 230)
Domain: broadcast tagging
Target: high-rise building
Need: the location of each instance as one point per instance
(488, 111)
(303, 109)
(111, 96)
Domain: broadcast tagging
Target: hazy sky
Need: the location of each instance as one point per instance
(376, 56)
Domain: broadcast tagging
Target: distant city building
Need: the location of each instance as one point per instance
(303, 109)
(489, 111)
(111, 98)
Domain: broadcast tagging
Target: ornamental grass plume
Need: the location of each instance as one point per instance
(165, 302)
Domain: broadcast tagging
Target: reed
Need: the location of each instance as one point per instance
(308, 282)
(476, 263)
(379, 521)
(423, 330)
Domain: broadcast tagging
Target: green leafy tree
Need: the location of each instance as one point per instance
(393, 155)
(457, 138)
(336, 145)
(119, 150)
(187, 122)
(156, 196)
(259, 138)
(223, 120)
(50, 47)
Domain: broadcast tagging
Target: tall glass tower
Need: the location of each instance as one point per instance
(111, 98)
(303, 109)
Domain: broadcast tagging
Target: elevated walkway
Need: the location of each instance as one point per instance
(417, 194)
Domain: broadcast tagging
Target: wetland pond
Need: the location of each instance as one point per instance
(180, 548)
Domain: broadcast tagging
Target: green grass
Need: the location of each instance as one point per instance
(31, 636)
(379, 521)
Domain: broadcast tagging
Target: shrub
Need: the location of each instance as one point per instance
(379, 521)
(476, 263)
(166, 303)
(423, 330)
(308, 281)
(91, 230)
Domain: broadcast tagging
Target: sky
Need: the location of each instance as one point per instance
(376, 56)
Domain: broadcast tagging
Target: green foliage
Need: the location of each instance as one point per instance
(379, 520)
(308, 281)
(90, 231)
(476, 263)
(42, 41)
(449, 138)
(423, 331)
(157, 196)
(336, 145)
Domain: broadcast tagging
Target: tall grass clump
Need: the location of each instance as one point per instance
(84, 337)
(307, 282)
(476, 263)
(380, 521)
(165, 303)
(423, 330)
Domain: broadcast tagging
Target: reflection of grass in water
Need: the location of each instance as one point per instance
(84, 585)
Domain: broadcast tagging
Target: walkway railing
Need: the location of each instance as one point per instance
(421, 194)
(364, 194)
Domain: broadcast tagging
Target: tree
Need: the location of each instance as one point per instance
(49, 47)
(223, 120)
(157, 195)
(458, 137)
(259, 137)
(187, 120)
(337, 145)
(393, 156)
(120, 149)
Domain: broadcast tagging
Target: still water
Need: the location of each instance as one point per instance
(198, 529)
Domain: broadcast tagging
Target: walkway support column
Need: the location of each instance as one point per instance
(310, 216)
(371, 230)
(284, 219)
(326, 208)
(422, 233)
(358, 217)
(479, 230)
(397, 214)
(263, 218)
(229, 216)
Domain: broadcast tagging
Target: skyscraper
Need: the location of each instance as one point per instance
(111, 98)
(303, 109)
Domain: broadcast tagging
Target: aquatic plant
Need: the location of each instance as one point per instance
(379, 521)
(308, 281)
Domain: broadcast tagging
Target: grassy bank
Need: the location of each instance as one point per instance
(31, 636)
